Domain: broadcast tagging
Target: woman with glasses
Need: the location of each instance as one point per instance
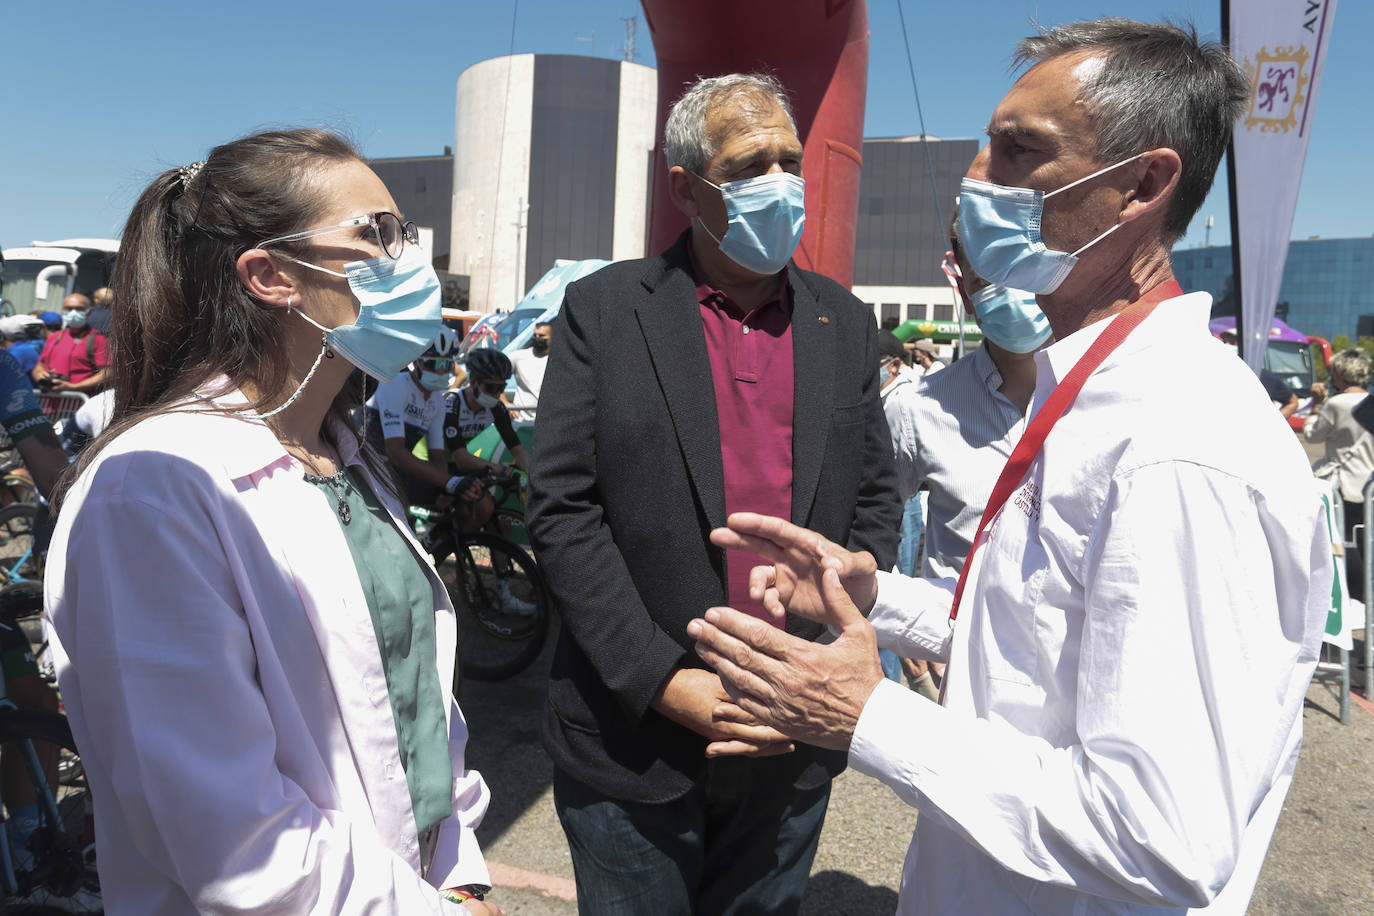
(253, 650)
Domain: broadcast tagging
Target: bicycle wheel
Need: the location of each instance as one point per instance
(502, 606)
(56, 869)
(18, 563)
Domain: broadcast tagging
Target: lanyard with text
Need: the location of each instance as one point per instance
(1055, 405)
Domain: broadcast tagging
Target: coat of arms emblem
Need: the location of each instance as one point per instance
(1278, 81)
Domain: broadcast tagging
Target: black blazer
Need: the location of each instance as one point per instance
(628, 482)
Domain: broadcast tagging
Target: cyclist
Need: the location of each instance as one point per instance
(475, 406)
(410, 408)
(28, 428)
(467, 412)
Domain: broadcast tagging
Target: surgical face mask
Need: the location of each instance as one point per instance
(1011, 319)
(765, 216)
(74, 319)
(433, 381)
(398, 312)
(1000, 230)
(488, 401)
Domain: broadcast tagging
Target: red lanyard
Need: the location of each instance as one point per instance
(1059, 400)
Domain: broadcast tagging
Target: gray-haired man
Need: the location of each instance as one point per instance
(1144, 602)
(714, 378)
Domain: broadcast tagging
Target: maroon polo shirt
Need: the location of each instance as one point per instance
(751, 370)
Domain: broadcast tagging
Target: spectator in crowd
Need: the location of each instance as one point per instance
(15, 330)
(253, 650)
(926, 357)
(893, 376)
(529, 367)
(52, 321)
(75, 358)
(103, 300)
(1349, 458)
(409, 408)
(1142, 613)
(713, 378)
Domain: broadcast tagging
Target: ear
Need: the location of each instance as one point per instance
(1156, 186)
(265, 281)
(680, 190)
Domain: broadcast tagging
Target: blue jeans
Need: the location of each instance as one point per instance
(912, 523)
(732, 845)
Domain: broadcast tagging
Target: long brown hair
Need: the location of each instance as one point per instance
(183, 316)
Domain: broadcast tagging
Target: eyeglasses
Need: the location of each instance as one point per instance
(436, 364)
(391, 233)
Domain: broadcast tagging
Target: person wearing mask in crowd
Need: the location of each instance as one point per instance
(15, 331)
(926, 358)
(712, 378)
(103, 301)
(254, 652)
(410, 407)
(76, 358)
(1349, 457)
(529, 365)
(1135, 629)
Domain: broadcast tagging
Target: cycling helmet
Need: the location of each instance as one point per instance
(487, 362)
(445, 343)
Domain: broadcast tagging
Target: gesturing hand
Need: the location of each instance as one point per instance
(793, 582)
(691, 697)
(809, 691)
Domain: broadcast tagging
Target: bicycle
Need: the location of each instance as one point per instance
(19, 562)
(53, 869)
(497, 591)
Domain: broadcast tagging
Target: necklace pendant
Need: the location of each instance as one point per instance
(345, 513)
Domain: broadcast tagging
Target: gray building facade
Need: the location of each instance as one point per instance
(900, 239)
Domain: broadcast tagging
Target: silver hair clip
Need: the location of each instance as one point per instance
(188, 173)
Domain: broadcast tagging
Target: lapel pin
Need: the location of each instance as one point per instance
(825, 319)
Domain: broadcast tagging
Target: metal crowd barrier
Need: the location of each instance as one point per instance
(1339, 670)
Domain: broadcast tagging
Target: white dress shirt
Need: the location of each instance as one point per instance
(1127, 673)
(222, 675)
(953, 431)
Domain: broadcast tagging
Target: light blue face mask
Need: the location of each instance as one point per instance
(398, 312)
(1000, 229)
(433, 381)
(1011, 318)
(765, 216)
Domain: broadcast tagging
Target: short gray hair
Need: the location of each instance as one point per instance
(685, 141)
(1353, 365)
(1159, 86)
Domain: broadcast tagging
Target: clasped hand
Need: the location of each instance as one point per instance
(809, 691)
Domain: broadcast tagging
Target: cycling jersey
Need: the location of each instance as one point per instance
(402, 409)
(462, 423)
(19, 411)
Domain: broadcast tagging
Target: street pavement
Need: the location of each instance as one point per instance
(1321, 860)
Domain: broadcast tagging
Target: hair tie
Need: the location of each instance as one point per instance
(188, 173)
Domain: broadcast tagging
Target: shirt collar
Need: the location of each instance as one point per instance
(246, 442)
(987, 369)
(1181, 315)
(707, 293)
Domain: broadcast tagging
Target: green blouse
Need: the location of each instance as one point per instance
(401, 602)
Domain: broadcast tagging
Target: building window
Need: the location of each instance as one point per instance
(891, 315)
(944, 313)
(916, 312)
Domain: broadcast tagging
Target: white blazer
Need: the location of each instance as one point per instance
(221, 672)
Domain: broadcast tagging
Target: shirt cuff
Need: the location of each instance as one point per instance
(892, 729)
(911, 616)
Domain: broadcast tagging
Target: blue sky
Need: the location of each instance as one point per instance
(106, 96)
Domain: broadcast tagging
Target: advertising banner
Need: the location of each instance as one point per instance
(1282, 46)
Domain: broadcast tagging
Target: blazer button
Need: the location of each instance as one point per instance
(825, 319)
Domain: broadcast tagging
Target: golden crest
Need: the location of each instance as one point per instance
(1278, 81)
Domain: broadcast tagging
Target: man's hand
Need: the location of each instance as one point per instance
(39, 372)
(793, 582)
(809, 691)
(691, 698)
(1318, 391)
